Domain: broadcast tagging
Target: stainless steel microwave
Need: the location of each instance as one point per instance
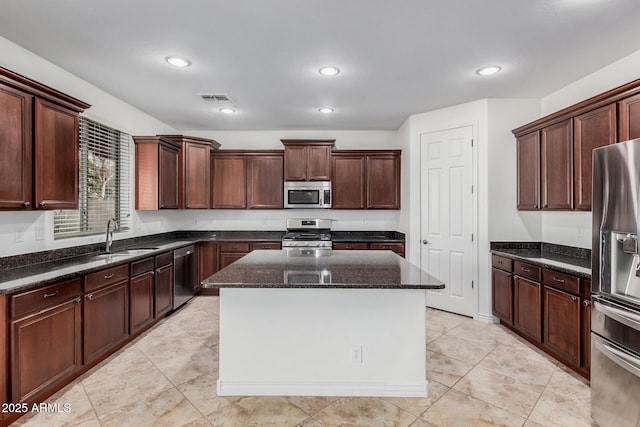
(307, 195)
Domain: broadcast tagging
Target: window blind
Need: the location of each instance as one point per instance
(103, 182)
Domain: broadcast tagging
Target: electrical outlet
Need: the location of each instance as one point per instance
(356, 354)
(19, 236)
(39, 233)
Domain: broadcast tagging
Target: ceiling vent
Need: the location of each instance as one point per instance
(219, 98)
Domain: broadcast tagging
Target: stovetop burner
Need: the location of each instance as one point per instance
(307, 235)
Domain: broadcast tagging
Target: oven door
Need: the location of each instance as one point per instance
(615, 363)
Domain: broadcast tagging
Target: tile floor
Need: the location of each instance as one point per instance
(479, 375)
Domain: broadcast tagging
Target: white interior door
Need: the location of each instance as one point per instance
(447, 217)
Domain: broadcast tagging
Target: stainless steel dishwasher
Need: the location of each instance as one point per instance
(185, 284)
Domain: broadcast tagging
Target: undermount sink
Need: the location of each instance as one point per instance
(126, 253)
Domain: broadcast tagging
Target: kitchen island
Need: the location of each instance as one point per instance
(322, 323)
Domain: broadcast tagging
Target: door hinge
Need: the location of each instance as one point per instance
(472, 284)
(472, 237)
(472, 189)
(472, 142)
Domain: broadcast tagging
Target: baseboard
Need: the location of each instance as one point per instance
(487, 318)
(233, 388)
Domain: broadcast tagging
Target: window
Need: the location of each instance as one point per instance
(104, 183)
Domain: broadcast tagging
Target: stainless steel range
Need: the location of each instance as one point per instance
(307, 233)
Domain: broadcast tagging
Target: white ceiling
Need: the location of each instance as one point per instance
(398, 57)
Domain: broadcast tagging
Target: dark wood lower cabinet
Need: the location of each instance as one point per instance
(229, 258)
(502, 295)
(562, 324)
(527, 305)
(141, 312)
(46, 348)
(163, 301)
(106, 319)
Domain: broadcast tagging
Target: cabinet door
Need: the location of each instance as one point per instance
(56, 156)
(557, 161)
(502, 295)
(141, 297)
(318, 163)
(528, 171)
(229, 258)
(168, 177)
(196, 176)
(264, 182)
(46, 348)
(16, 149)
(208, 257)
(163, 290)
(591, 130)
(383, 182)
(295, 163)
(629, 118)
(348, 183)
(562, 324)
(527, 307)
(229, 182)
(106, 319)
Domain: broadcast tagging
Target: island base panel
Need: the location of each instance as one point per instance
(322, 342)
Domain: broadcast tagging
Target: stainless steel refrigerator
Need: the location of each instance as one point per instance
(615, 282)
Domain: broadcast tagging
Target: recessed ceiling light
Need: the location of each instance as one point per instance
(178, 62)
(326, 110)
(227, 110)
(487, 71)
(329, 71)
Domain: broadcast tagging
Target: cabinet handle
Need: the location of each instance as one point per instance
(558, 280)
(535, 206)
(109, 276)
(26, 204)
(53, 294)
(90, 297)
(161, 206)
(43, 204)
(574, 299)
(78, 300)
(586, 303)
(526, 270)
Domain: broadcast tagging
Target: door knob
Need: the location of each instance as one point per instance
(425, 242)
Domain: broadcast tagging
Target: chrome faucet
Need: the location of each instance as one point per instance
(108, 240)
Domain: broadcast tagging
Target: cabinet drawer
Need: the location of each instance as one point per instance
(350, 246)
(503, 263)
(234, 247)
(105, 277)
(265, 245)
(164, 259)
(561, 281)
(33, 301)
(395, 247)
(142, 266)
(526, 270)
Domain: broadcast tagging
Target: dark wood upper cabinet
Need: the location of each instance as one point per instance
(629, 118)
(591, 130)
(383, 181)
(366, 179)
(307, 160)
(528, 171)
(39, 150)
(16, 150)
(348, 182)
(557, 165)
(264, 181)
(156, 173)
(194, 170)
(228, 181)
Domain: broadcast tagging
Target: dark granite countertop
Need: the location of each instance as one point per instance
(367, 236)
(565, 259)
(29, 271)
(328, 269)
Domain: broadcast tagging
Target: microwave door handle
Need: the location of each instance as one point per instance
(622, 316)
(620, 358)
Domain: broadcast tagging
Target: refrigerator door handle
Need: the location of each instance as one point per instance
(623, 316)
(620, 358)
